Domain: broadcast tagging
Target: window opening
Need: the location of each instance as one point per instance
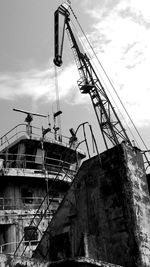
(27, 195)
(31, 235)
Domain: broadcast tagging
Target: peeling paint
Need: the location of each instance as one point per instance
(104, 216)
(112, 211)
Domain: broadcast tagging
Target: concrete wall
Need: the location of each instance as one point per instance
(106, 213)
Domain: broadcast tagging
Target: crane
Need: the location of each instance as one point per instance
(112, 130)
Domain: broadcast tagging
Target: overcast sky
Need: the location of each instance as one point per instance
(119, 32)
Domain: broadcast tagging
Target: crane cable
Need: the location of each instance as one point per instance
(109, 80)
(121, 115)
(83, 45)
(57, 99)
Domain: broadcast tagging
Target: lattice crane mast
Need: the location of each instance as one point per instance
(111, 127)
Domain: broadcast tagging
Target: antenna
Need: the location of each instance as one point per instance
(29, 119)
(31, 113)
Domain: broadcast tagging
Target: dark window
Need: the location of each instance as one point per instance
(27, 195)
(31, 235)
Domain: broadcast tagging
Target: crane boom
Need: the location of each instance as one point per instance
(110, 125)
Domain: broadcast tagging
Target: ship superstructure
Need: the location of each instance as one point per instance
(36, 169)
(104, 217)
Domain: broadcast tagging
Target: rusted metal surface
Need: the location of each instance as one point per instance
(10, 261)
(82, 262)
(148, 181)
(106, 213)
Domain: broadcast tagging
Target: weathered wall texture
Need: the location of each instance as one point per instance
(106, 213)
(141, 205)
(20, 198)
(148, 180)
(10, 261)
(82, 262)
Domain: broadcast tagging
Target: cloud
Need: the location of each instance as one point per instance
(33, 83)
(41, 85)
(120, 37)
(136, 10)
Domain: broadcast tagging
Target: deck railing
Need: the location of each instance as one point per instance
(38, 164)
(36, 133)
(12, 135)
(29, 203)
